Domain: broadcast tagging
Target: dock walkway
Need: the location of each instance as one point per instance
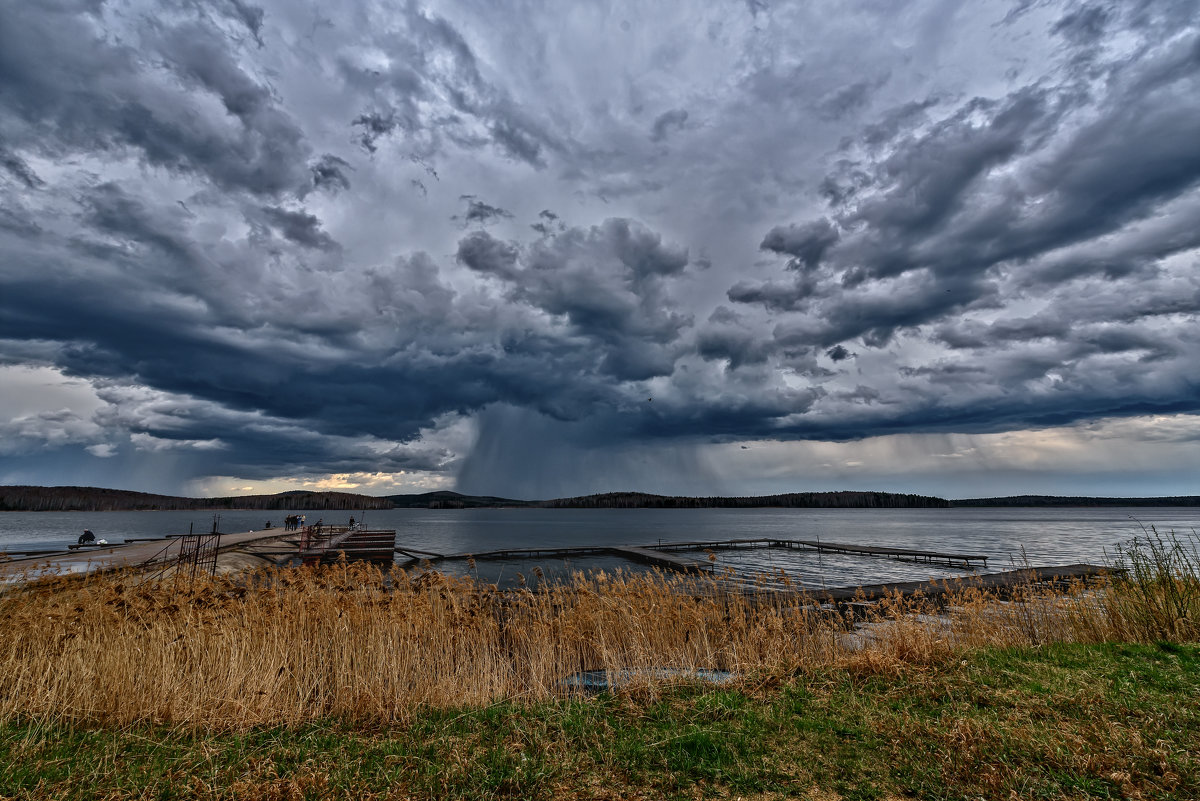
(114, 557)
(357, 544)
(657, 558)
(1000, 583)
(661, 555)
(965, 560)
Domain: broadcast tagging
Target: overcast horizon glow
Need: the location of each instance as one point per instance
(534, 249)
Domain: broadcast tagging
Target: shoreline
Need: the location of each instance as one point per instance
(28, 498)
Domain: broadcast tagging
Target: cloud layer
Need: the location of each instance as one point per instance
(278, 239)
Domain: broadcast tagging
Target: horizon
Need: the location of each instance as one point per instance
(250, 246)
(418, 492)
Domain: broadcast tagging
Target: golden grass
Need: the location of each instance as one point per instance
(350, 642)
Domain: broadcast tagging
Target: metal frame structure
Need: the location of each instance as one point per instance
(198, 552)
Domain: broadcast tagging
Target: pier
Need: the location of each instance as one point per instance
(140, 552)
(646, 554)
(1002, 584)
(664, 555)
(354, 543)
(962, 560)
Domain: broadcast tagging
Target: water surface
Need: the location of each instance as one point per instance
(1006, 536)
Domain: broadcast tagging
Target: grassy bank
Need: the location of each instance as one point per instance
(1060, 721)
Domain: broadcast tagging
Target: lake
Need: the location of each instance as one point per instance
(1052, 536)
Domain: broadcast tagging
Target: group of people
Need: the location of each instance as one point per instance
(295, 522)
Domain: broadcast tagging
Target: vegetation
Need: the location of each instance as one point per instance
(92, 499)
(96, 499)
(1061, 500)
(343, 681)
(790, 500)
(445, 499)
(1062, 721)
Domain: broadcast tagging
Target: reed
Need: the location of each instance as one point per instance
(353, 643)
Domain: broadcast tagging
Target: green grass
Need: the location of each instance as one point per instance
(1062, 721)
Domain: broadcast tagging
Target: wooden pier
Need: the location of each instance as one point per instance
(645, 554)
(1001, 584)
(329, 543)
(657, 558)
(664, 553)
(962, 560)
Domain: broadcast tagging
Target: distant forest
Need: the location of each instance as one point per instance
(1059, 500)
(93, 499)
(791, 500)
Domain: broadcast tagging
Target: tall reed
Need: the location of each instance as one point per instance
(354, 643)
(1160, 587)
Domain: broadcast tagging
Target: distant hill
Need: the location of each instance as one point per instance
(444, 499)
(95, 499)
(643, 500)
(791, 500)
(1059, 500)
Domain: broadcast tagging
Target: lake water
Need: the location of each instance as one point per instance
(1047, 536)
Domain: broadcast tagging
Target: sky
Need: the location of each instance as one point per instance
(538, 249)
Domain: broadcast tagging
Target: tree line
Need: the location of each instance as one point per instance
(790, 500)
(97, 499)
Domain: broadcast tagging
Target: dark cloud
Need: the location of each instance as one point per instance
(668, 121)
(517, 140)
(736, 347)
(299, 227)
(848, 99)
(439, 63)
(69, 89)
(1084, 25)
(805, 243)
(231, 220)
(329, 172)
(478, 212)
(939, 208)
(838, 353)
(774, 295)
(16, 166)
(608, 283)
(547, 223)
(374, 125)
(251, 16)
(895, 120)
(485, 254)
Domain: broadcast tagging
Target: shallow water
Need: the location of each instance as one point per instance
(1046, 536)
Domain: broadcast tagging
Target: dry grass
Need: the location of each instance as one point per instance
(349, 642)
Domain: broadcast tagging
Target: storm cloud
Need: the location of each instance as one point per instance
(269, 242)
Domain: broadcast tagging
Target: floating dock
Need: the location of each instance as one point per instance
(997, 584)
(969, 561)
(664, 553)
(646, 554)
(1000, 583)
(328, 544)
